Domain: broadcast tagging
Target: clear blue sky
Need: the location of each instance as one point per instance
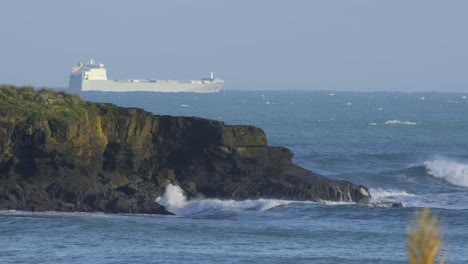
(405, 45)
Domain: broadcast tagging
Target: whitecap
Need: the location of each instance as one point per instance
(337, 203)
(184, 105)
(349, 103)
(390, 197)
(398, 122)
(379, 194)
(372, 124)
(454, 172)
(175, 201)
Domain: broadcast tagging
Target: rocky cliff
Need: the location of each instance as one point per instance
(58, 152)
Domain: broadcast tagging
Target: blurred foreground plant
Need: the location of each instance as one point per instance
(424, 239)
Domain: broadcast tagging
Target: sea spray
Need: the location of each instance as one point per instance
(173, 198)
(175, 201)
(452, 171)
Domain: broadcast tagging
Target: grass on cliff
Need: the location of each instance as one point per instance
(424, 239)
(40, 105)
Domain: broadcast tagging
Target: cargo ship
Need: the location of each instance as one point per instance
(92, 76)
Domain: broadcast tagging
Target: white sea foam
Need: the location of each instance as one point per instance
(184, 105)
(394, 122)
(337, 203)
(381, 195)
(454, 172)
(175, 201)
(390, 197)
(173, 198)
(398, 122)
(452, 200)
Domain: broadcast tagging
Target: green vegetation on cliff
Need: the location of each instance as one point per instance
(41, 105)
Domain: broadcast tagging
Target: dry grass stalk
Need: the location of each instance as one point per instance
(424, 239)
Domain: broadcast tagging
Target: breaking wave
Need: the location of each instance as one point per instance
(384, 195)
(453, 172)
(175, 201)
(387, 198)
(398, 122)
(390, 197)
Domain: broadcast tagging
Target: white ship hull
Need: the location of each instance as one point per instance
(93, 77)
(147, 86)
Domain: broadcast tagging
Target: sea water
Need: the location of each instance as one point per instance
(406, 147)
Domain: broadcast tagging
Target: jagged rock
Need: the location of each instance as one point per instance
(58, 152)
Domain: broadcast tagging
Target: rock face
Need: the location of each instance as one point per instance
(58, 152)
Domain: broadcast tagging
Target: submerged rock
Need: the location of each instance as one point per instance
(58, 152)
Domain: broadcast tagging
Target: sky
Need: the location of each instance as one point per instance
(351, 45)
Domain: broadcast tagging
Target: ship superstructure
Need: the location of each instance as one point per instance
(92, 76)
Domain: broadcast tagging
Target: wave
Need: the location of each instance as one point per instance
(453, 172)
(437, 183)
(379, 194)
(388, 197)
(394, 122)
(175, 201)
(398, 122)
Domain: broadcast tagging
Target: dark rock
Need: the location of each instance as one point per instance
(58, 152)
(397, 205)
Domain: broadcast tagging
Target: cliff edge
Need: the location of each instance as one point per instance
(58, 152)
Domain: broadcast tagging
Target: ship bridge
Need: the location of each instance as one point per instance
(91, 71)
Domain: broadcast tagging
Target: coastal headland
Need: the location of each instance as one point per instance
(60, 153)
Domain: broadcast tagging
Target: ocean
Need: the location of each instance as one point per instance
(406, 147)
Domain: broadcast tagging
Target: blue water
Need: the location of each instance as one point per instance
(406, 147)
